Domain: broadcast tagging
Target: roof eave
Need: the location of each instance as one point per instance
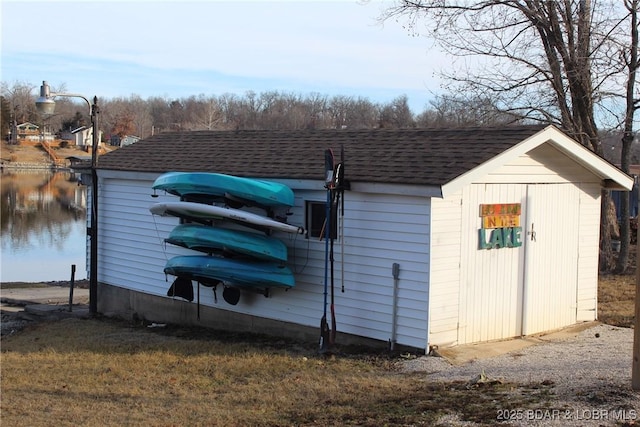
(611, 176)
(610, 184)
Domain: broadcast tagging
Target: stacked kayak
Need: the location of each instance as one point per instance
(232, 243)
(209, 270)
(215, 186)
(200, 212)
(248, 258)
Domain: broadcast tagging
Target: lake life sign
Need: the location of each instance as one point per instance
(500, 226)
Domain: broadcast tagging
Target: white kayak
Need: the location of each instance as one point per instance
(199, 211)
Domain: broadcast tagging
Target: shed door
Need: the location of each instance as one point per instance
(492, 279)
(551, 257)
(510, 292)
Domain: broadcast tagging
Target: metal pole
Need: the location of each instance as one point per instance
(93, 265)
(46, 105)
(71, 286)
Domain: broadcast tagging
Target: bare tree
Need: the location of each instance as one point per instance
(627, 54)
(362, 114)
(318, 117)
(542, 60)
(6, 120)
(347, 112)
(207, 114)
(21, 101)
(460, 110)
(142, 120)
(397, 114)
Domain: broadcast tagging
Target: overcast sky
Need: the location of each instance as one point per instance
(178, 49)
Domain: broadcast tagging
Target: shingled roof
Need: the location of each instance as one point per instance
(403, 156)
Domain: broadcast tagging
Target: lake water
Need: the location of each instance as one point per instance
(43, 229)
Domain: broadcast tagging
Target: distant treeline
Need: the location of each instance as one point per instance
(267, 110)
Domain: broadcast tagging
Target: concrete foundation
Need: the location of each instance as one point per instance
(119, 302)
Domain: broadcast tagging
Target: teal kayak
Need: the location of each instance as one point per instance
(206, 186)
(208, 239)
(248, 274)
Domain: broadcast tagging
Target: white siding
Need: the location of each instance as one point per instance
(378, 231)
(589, 239)
(545, 164)
(444, 293)
(551, 267)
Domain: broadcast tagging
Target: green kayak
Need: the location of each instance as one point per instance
(208, 239)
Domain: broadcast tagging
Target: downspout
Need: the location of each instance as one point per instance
(395, 271)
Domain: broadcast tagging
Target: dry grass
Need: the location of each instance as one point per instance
(107, 373)
(110, 373)
(616, 296)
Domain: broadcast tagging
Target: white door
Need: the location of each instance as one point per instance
(491, 279)
(514, 291)
(551, 257)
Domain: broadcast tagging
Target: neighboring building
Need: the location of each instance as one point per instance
(30, 132)
(83, 137)
(495, 231)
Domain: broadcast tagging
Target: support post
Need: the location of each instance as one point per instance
(71, 286)
(46, 105)
(635, 371)
(93, 265)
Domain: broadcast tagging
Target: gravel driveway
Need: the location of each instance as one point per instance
(590, 375)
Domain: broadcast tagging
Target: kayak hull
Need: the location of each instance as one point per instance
(238, 273)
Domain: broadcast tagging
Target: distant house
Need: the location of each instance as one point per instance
(83, 137)
(449, 236)
(31, 132)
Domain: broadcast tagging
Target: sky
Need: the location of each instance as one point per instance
(176, 49)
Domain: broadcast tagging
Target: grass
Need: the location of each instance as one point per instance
(616, 300)
(53, 373)
(112, 373)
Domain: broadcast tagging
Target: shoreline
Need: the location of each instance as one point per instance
(82, 284)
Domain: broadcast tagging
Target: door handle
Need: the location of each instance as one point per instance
(532, 233)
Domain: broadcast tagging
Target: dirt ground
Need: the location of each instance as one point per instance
(32, 152)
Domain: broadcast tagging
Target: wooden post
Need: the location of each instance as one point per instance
(71, 286)
(635, 371)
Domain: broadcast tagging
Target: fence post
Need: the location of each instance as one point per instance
(73, 280)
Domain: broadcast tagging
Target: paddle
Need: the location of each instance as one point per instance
(341, 185)
(324, 326)
(332, 336)
(336, 190)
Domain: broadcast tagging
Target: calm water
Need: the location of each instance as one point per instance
(42, 226)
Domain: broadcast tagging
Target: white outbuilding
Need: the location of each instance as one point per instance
(448, 237)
